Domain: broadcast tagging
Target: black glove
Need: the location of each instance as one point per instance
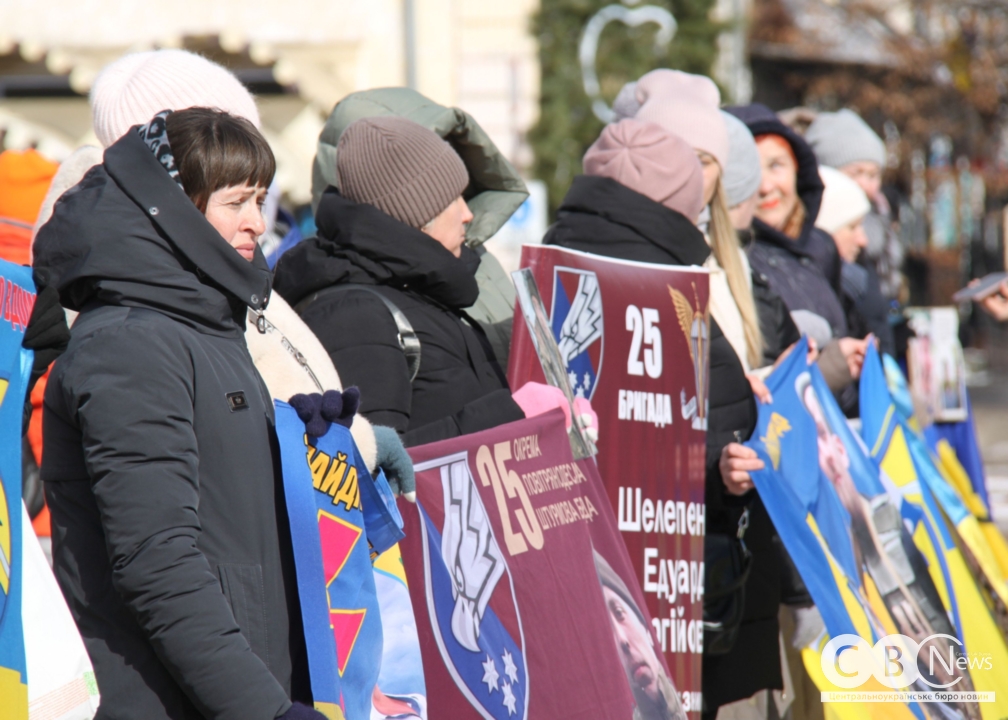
(47, 334)
(318, 411)
(298, 711)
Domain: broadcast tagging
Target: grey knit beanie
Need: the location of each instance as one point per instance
(744, 170)
(400, 167)
(843, 137)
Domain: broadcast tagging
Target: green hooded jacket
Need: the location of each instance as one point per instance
(495, 189)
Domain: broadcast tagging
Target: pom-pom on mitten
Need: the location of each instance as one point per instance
(317, 410)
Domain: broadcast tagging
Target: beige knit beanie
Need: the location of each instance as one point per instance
(400, 167)
(650, 160)
(134, 88)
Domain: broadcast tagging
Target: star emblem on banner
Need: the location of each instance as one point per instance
(509, 699)
(572, 378)
(490, 675)
(510, 669)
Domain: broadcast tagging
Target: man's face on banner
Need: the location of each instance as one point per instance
(636, 651)
(832, 454)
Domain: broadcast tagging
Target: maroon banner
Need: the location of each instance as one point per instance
(525, 600)
(633, 338)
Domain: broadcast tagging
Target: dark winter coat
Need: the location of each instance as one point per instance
(778, 329)
(867, 309)
(601, 216)
(459, 388)
(170, 540)
(804, 271)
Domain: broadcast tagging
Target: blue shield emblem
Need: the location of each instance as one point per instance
(471, 600)
(576, 319)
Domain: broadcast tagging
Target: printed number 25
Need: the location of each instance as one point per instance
(507, 481)
(644, 327)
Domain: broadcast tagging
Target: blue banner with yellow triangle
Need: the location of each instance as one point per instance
(17, 296)
(331, 501)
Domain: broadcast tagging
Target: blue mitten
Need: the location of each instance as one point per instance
(396, 462)
(317, 411)
(298, 711)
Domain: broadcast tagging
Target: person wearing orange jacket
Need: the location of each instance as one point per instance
(25, 177)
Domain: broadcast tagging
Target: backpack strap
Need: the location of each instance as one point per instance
(408, 340)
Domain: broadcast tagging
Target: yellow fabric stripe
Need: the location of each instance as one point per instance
(330, 710)
(13, 695)
(882, 434)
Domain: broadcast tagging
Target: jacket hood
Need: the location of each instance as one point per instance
(593, 203)
(761, 120)
(128, 235)
(495, 189)
(358, 243)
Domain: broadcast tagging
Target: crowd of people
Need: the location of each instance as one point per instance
(169, 537)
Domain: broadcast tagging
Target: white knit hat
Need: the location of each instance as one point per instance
(134, 88)
(843, 201)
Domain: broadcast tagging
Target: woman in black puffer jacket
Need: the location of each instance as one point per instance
(170, 539)
(393, 242)
(638, 201)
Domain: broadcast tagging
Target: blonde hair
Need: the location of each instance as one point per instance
(725, 246)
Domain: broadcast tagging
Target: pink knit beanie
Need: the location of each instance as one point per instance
(134, 88)
(687, 105)
(650, 160)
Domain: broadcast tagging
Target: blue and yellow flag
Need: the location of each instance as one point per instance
(955, 455)
(937, 516)
(17, 296)
(834, 509)
(806, 511)
(818, 516)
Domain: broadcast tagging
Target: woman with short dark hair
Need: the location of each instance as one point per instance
(170, 540)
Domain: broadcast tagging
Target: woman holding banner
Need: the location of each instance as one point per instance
(169, 542)
(689, 106)
(642, 190)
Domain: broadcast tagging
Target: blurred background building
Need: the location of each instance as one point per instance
(298, 57)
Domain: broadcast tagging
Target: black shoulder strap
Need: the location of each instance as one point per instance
(408, 340)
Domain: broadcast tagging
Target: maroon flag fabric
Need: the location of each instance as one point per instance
(519, 613)
(633, 338)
